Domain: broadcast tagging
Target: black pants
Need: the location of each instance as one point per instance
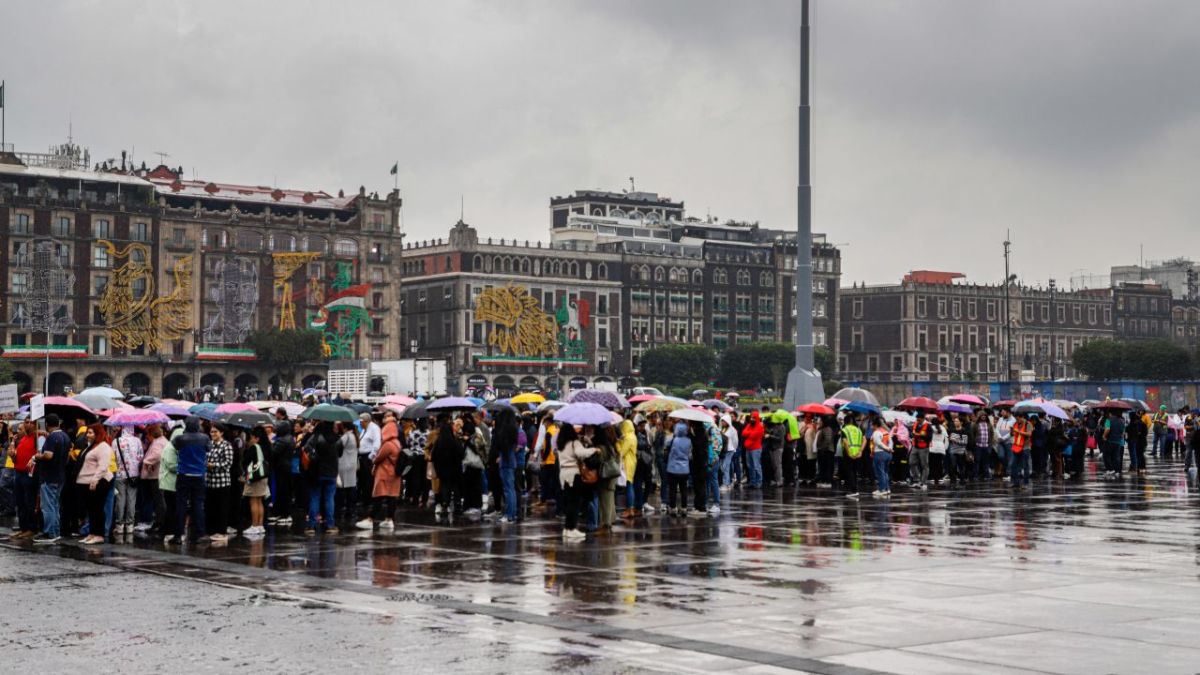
(699, 486)
(345, 502)
(937, 468)
(849, 474)
(825, 460)
(216, 509)
(416, 485)
(95, 500)
(281, 498)
(677, 485)
(168, 523)
(574, 498)
(366, 482)
(1041, 459)
(472, 488)
(494, 487)
(449, 492)
(382, 508)
(787, 472)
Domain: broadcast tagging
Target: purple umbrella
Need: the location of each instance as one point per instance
(954, 408)
(451, 403)
(583, 413)
(170, 410)
(608, 399)
(136, 418)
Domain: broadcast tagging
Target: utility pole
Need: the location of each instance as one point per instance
(804, 381)
(1008, 345)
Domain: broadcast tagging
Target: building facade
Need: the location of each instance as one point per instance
(151, 283)
(934, 326)
(623, 273)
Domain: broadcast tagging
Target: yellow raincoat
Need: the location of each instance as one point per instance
(627, 448)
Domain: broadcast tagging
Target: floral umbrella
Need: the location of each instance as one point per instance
(136, 418)
(660, 405)
(608, 399)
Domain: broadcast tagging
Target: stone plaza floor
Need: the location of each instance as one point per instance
(1096, 577)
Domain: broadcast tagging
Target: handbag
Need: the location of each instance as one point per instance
(610, 469)
(587, 474)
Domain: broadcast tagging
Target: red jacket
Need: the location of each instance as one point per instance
(752, 433)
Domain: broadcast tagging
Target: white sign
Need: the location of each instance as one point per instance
(9, 403)
(37, 407)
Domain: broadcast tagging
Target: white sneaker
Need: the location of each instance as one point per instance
(647, 509)
(574, 535)
(231, 530)
(714, 510)
(505, 520)
(877, 494)
(141, 527)
(388, 524)
(439, 509)
(365, 524)
(852, 495)
(472, 513)
(693, 513)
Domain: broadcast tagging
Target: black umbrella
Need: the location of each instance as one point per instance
(497, 406)
(142, 401)
(416, 411)
(247, 419)
(358, 407)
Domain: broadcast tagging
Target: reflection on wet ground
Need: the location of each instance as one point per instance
(1092, 577)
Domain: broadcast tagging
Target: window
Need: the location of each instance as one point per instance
(1108, 316)
(477, 333)
(376, 352)
(659, 275)
(972, 309)
(21, 224)
(720, 276)
(447, 292)
(140, 232)
(1027, 308)
(1045, 312)
(920, 306)
(99, 345)
(20, 282)
(743, 278)
(956, 309)
(1060, 314)
(345, 248)
(818, 286)
(138, 288)
(62, 227)
(376, 300)
(317, 244)
(376, 275)
(766, 279)
(1092, 314)
(99, 257)
(1076, 314)
(857, 308)
(941, 308)
(897, 364)
(99, 284)
(991, 310)
(602, 336)
(602, 304)
(101, 229)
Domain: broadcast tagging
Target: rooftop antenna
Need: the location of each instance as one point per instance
(462, 208)
(162, 157)
(632, 187)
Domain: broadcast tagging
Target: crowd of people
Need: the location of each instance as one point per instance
(197, 479)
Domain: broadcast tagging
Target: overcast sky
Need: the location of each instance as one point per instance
(938, 123)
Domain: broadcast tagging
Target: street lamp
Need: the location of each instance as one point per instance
(412, 347)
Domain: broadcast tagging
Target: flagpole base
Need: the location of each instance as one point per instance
(803, 386)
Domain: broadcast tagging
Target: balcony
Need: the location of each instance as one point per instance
(181, 245)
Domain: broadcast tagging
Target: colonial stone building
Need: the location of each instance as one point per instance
(936, 326)
(156, 280)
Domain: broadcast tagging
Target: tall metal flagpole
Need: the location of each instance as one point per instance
(804, 381)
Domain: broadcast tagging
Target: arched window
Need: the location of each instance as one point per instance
(249, 240)
(766, 279)
(574, 269)
(697, 277)
(317, 244)
(597, 212)
(283, 242)
(497, 265)
(659, 275)
(602, 271)
(720, 276)
(477, 263)
(508, 264)
(524, 265)
(616, 213)
(743, 278)
(346, 248)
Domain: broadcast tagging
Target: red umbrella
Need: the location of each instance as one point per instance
(1114, 405)
(1006, 403)
(918, 403)
(816, 409)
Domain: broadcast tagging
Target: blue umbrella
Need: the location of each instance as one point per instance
(861, 407)
(583, 413)
(205, 411)
(954, 408)
(476, 400)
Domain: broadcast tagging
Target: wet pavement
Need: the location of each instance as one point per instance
(1098, 577)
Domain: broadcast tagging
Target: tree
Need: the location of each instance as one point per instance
(284, 350)
(1144, 360)
(678, 365)
(6, 372)
(766, 364)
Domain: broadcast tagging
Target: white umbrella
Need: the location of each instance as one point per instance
(691, 415)
(106, 392)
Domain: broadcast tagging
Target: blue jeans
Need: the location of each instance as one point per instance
(25, 491)
(714, 486)
(981, 462)
(321, 496)
(883, 461)
(754, 467)
(508, 481)
(50, 499)
(1159, 438)
(727, 468)
(662, 477)
(189, 501)
(1020, 467)
(1004, 450)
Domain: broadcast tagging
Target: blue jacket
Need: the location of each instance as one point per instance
(679, 461)
(192, 447)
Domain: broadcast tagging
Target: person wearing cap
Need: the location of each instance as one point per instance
(1159, 425)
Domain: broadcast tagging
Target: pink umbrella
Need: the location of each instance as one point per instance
(968, 399)
(235, 407)
(137, 418)
(399, 400)
(394, 407)
(641, 398)
(835, 402)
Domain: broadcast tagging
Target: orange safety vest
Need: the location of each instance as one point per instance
(1020, 440)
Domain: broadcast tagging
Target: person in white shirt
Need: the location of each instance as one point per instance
(1004, 441)
(730, 457)
(881, 442)
(368, 447)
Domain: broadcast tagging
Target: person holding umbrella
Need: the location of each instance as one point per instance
(881, 446)
(1022, 434)
(1113, 435)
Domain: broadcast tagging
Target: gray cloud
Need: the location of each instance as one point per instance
(940, 123)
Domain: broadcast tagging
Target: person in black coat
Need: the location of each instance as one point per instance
(283, 451)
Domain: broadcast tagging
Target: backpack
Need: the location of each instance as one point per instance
(256, 470)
